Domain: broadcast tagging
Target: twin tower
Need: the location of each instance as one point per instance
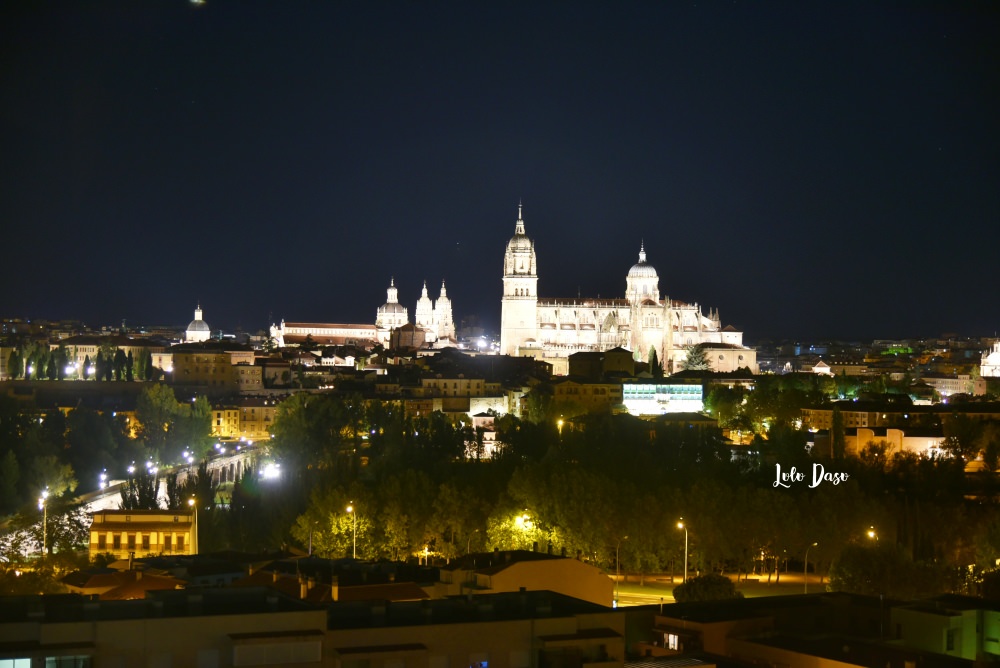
(433, 317)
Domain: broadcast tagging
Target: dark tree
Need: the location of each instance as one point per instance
(708, 587)
(140, 492)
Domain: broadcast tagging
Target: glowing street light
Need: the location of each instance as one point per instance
(43, 506)
(350, 510)
(805, 572)
(871, 534)
(681, 525)
(194, 525)
(618, 570)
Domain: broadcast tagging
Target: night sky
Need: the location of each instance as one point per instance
(810, 169)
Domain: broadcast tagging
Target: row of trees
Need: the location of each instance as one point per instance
(580, 490)
(37, 361)
(583, 491)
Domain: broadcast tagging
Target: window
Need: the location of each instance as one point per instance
(117, 541)
(950, 640)
(180, 543)
(145, 542)
(673, 641)
(102, 542)
(131, 541)
(167, 540)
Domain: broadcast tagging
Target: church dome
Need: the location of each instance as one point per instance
(520, 240)
(392, 307)
(197, 330)
(641, 269)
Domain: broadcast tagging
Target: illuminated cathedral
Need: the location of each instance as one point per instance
(643, 322)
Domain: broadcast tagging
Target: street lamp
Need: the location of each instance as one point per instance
(350, 510)
(618, 570)
(469, 542)
(805, 572)
(42, 506)
(871, 533)
(681, 525)
(194, 525)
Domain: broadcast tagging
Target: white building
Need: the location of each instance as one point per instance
(990, 367)
(642, 322)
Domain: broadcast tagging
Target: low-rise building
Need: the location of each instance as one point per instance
(125, 533)
(517, 570)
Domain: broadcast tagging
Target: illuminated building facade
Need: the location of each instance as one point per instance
(642, 322)
(990, 367)
(143, 532)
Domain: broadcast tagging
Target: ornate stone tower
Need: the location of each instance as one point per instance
(443, 319)
(518, 307)
(392, 314)
(424, 316)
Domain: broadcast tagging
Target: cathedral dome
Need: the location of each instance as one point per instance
(197, 330)
(392, 307)
(520, 240)
(641, 269)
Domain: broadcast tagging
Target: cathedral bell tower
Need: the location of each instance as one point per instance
(518, 308)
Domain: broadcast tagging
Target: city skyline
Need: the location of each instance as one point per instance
(812, 172)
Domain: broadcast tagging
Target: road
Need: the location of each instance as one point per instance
(659, 589)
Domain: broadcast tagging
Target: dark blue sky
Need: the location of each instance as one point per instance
(809, 169)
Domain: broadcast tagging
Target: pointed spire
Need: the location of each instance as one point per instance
(642, 251)
(519, 228)
(444, 291)
(423, 293)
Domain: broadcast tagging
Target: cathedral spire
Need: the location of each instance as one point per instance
(642, 251)
(423, 293)
(444, 291)
(519, 229)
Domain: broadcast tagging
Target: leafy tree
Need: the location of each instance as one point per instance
(129, 367)
(140, 492)
(119, 363)
(90, 444)
(10, 473)
(655, 367)
(708, 587)
(86, 365)
(15, 364)
(837, 434)
(696, 359)
(885, 568)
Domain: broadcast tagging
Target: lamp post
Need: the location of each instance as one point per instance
(618, 569)
(805, 572)
(354, 549)
(192, 503)
(872, 534)
(469, 542)
(681, 525)
(42, 506)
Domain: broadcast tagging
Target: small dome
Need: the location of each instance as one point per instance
(201, 326)
(392, 307)
(520, 241)
(640, 269)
